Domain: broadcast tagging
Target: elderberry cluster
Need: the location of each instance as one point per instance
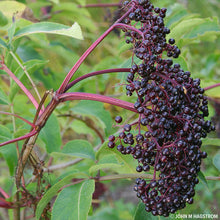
(171, 108)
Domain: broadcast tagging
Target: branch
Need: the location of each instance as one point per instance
(95, 97)
(92, 47)
(6, 196)
(90, 125)
(125, 176)
(30, 134)
(17, 116)
(95, 74)
(100, 5)
(212, 177)
(27, 74)
(25, 90)
(62, 165)
(212, 86)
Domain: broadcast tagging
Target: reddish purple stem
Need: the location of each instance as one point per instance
(92, 47)
(30, 134)
(95, 97)
(25, 90)
(101, 5)
(95, 74)
(212, 86)
(17, 116)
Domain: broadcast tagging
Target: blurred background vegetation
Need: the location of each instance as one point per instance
(50, 57)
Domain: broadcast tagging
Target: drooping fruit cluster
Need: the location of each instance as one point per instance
(171, 110)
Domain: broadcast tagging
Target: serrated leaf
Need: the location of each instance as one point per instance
(202, 178)
(8, 151)
(51, 28)
(211, 141)
(216, 161)
(74, 202)
(108, 162)
(79, 148)
(3, 98)
(50, 134)
(53, 191)
(128, 163)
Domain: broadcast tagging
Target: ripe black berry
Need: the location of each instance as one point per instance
(118, 119)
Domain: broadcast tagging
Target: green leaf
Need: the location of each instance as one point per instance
(3, 44)
(128, 164)
(51, 28)
(53, 191)
(211, 141)
(140, 212)
(3, 98)
(92, 108)
(216, 161)
(109, 162)
(177, 13)
(11, 32)
(194, 27)
(8, 151)
(3, 19)
(79, 148)
(31, 66)
(202, 178)
(74, 202)
(50, 134)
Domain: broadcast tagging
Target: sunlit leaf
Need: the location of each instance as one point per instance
(12, 8)
(51, 28)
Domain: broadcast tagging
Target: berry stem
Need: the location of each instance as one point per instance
(124, 176)
(95, 74)
(25, 90)
(212, 86)
(6, 196)
(93, 46)
(95, 97)
(17, 116)
(30, 134)
(100, 5)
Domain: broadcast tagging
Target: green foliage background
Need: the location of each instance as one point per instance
(49, 57)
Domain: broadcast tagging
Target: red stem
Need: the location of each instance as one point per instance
(6, 196)
(30, 134)
(212, 86)
(95, 97)
(100, 5)
(92, 47)
(95, 74)
(25, 90)
(17, 116)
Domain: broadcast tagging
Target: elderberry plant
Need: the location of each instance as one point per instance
(171, 109)
(164, 139)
